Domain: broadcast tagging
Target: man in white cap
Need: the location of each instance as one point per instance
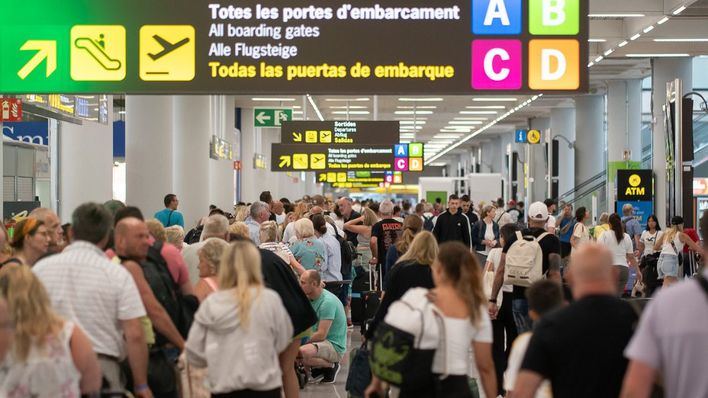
(550, 246)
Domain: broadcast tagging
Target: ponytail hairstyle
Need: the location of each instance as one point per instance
(616, 226)
(240, 270)
(461, 269)
(412, 224)
(580, 214)
(319, 224)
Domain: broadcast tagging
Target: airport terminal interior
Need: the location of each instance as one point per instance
(452, 198)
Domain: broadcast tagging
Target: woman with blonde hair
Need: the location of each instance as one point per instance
(239, 331)
(269, 241)
(308, 250)
(362, 227)
(671, 246)
(460, 322)
(50, 357)
(412, 224)
(238, 230)
(411, 270)
(209, 259)
(175, 236)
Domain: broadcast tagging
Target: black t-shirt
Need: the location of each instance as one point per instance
(351, 236)
(403, 276)
(580, 348)
(387, 232)
(549, 245)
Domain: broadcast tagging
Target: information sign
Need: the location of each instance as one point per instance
(271, 117)
(635, 185)
(340, 132)
(274, 46)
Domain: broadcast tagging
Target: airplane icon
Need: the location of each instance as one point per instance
(167, 47)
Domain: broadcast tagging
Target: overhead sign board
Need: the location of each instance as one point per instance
(635, 185)
(249, 46)
(271, 117)
(322, 157)
(340, 132)
(360, 177)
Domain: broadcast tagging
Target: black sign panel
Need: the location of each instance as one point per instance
(338, 133)
(288, 46)
(635, 185)
(290, 157)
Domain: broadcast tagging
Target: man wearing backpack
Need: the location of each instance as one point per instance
(538, 256)
(157, 292)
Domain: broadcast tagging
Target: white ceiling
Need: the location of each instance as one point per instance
(611, 21)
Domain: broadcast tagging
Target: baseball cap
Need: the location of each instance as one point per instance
(538, 211)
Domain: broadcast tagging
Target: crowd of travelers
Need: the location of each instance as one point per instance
(452, 299)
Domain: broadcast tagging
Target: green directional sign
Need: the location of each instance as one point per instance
(271, 117)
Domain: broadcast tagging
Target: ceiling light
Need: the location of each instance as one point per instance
(438, 164)
(412, 121)
(417, 107)
(346, 99)
(658, 55)
(297, 112)
(617, 15)
(478, 112)
(413, 112)
(610, 51)
(681, 40)
(348, 107)
(314, 106)
(679, 10)
(624, 43)
(447, 136)
(663, 20)
(598, 59)
(635, 37)
(422, 99)
(648, 29)
(591, 64)
(465, 122)
(350, 113)
(597, 40)
(274, 99)
(494, 99)
(487, 107)
(470, 118)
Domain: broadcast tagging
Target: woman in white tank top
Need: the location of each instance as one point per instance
(671, 245)
(50, 357)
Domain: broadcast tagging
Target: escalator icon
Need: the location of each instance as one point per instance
(98, 52)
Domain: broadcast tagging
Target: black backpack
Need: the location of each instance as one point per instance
(347, 250)
(428, 224)
(180, 308)
(193, 235)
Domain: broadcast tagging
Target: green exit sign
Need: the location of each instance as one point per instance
(271, 117)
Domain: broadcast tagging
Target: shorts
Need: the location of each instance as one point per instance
(667, 266)
(326, 351)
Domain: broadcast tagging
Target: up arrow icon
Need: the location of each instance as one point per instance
(46, 49)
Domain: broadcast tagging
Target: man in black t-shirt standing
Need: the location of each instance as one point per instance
(345, 209)
(452, 224)
(384, 234)
(550, 247)
(468, 209)
(579, 349)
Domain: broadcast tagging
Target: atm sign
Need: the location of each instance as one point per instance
(634, 185)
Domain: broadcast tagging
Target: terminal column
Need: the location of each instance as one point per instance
(664, 70)
(192, 132)
(563, 124)
(221, 172)
(624, 120)
(537, 188)
(148, 151)
(589, 137)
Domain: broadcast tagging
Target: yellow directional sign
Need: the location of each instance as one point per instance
(325, 137)
(297, 137)
(98, 52)
(318, 161)
(167, 52)
(300, 161)
(311, 136)
(284, 161)
(46, 49)
(534, 137)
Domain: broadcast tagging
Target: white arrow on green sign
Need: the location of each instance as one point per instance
(46, 49)
(271, 117)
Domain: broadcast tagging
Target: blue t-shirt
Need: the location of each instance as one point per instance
(170, 217)
(565, 236)
(633, 228)
(328, 307)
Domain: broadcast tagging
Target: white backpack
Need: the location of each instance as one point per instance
(524, 261)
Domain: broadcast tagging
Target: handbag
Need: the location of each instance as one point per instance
(488, 282)
(162, 374)
(402, 352)
(192, 380)
(359, 376)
